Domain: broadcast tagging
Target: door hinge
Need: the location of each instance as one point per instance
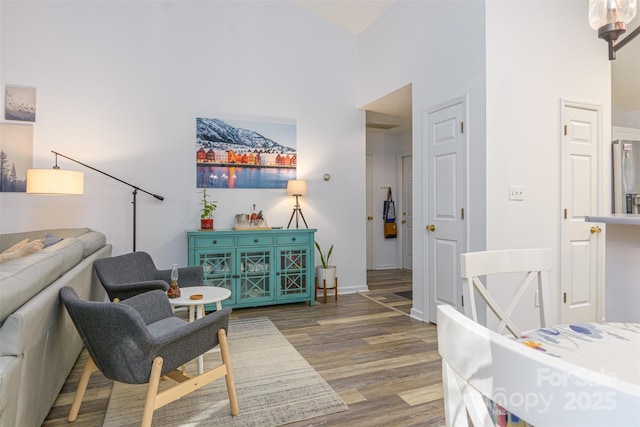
(462, 213)
(565, 130)
(564, 297)
(462, 300)
(565, 214)
(461, 127)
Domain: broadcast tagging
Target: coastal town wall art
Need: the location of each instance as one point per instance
(245, 152)
(20, 103)
(16, 156)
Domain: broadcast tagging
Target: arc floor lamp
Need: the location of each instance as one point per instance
(56, 181)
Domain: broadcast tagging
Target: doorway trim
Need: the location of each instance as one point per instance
(402, 197)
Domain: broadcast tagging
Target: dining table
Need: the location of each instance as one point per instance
(602, 351)
(610, 349)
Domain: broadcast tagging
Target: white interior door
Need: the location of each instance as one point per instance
(582, 258)
(406, 221)
(369, 202)
(445, 175)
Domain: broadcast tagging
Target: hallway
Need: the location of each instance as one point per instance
(385, 285)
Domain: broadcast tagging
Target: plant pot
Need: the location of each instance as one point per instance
(326, 275)
(206, 224)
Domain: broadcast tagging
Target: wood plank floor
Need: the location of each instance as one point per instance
(384, 364)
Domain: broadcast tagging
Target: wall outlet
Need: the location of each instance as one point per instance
(516, 192)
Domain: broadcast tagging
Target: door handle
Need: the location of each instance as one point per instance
(596, 230)
(369, 218)
(431, 227)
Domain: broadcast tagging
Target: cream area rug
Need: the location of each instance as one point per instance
(275, 385)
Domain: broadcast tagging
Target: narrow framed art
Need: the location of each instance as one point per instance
(16, 156)
(245, 152)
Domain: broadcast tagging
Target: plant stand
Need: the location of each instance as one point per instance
(335, 290)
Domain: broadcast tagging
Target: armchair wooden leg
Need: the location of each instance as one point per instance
(231, 388)
(89, 368)
(152, 391)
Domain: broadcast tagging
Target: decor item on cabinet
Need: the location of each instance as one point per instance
(59, 182)
(610, 19)
(389, 216)
(206, 217)
(253, 221)
(297, 188)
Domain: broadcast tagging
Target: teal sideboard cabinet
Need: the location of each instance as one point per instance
(259, 267)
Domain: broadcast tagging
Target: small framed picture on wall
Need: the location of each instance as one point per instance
(20, 103)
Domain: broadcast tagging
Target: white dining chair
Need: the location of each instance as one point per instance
(532, 263)
(482, 369)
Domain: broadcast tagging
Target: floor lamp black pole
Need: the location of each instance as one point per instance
(135, 193)
(135, 190)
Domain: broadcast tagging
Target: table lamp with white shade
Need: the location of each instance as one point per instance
(297, 188)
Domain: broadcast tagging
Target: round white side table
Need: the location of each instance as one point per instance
(210, 295)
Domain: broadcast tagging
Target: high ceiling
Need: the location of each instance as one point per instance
(356, 15)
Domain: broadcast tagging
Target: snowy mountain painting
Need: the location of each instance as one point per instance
(20, 103)
(245, 153)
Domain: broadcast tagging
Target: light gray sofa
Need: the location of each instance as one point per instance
(38, 342)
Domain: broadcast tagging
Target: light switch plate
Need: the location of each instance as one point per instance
(516, 192)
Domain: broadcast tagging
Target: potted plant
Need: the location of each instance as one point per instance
(207, 208)
(325, 273)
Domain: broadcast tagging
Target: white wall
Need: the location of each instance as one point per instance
(625, 82)
(438, 46)
(537, 52)
(620, 117)
(531, 64)
(120, 84)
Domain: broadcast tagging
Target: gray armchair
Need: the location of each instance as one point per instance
(138, 341)
(130, 274)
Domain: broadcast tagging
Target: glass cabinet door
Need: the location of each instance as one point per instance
(217, 267)
(255, 274)
(292, 272)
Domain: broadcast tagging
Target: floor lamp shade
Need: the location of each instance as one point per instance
(55, 181)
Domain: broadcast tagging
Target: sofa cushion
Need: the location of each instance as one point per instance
(72, 251)
(51, 239)
(24, 277)
(92, 241)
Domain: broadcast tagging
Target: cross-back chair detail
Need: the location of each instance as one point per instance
(532, 262)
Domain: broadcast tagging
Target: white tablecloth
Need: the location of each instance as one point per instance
(611, 349)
